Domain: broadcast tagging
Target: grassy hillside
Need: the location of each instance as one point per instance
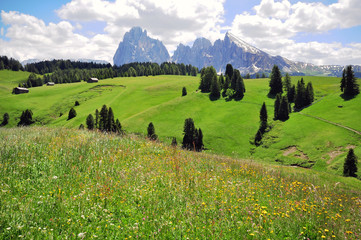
(228, 127)
(80, 184)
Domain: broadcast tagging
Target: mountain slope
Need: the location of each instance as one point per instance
(138, 47)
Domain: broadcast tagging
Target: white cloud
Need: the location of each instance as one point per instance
(274, 25)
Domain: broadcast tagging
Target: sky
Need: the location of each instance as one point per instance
(319, 32)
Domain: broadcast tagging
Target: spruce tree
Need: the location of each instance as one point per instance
(90, 122)
(199, 141)
(151, 132)
(277, 106)
(258, 138)
(189, 134)
(206, 79)
(118, 127)
(103, 118)
(287, 83)
(300, 95)
(110, 126)
(5, 119)
(283, 112)
(309, 97)
(349, 85)
(221, 81)
(229, 70)
(184, 91)
(275, 82)
(350, 165)
(215, 89)
(96, 118)
(26, 118)
(263, 118)
(174, 142)
(291, 94)
(226, 85)
(71, 114)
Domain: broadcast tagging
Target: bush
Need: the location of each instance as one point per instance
(72, 113)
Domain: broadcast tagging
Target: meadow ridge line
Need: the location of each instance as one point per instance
(333, 123)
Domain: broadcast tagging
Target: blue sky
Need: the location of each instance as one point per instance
(320, 32)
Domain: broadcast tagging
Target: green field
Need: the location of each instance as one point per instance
(228, 127)
(59, 183)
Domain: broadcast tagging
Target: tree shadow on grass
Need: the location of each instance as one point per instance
(347, 97)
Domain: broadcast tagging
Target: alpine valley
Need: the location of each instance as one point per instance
(137, 46)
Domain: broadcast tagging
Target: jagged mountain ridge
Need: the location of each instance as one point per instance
(138, 47)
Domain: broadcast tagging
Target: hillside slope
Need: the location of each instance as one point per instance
(228, 127)
(81, 184)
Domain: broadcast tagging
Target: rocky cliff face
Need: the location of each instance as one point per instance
(138, 47)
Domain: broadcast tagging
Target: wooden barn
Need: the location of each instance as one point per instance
(19, 90)
(93, 80)
(50, 84)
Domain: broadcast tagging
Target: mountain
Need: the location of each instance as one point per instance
(138, 47)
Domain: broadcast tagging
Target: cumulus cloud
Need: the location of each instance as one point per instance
(274, 25)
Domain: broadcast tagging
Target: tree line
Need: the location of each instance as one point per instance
(10, 64)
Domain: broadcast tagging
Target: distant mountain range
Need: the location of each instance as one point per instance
(137, 46)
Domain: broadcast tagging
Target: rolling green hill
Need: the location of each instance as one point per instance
(306, 139)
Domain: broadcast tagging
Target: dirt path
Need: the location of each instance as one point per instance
(333, 123)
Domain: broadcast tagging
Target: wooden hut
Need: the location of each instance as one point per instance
(19, 90)
(93, 80)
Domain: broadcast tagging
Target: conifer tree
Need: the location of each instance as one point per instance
(26, 118)
(229, 70)
(96, 118)
(291, 94)
(118, 127)
(199, 140)
(221, 81)
(72, 113)
(277, 106)
(258, 138)
(151, 132)
(309, 98)
(5, 119)
(263, 118)
(110, 125)
(276, 81)
(349, 85)
(287, 83)
(300, 94)
(90, 122)
(184, 91)
(215, 89)
(350, 165)
(174, 142)
(207, 76)
(283, 112)
(226, 85)
(189, 134)
(103, 118)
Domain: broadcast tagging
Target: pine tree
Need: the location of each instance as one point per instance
(26, 118)
(103, 118)
(350, 165)
(151, 132)
(118, 127)
(72, 113)
(258, 138)
(287, 83)
(90, 122)
(221, 81)
(300, 94)
(283, 112)
(189, 134)
(263, 118)
(199, 140)
(276, 81)
(5, 119)
(309, 97)
(184, 91)
(207, 76)
(96, 119)
(215, 89)
(349, 85)
(110, 126)
(174, 142)
(229, 71)
(277, 106)
(291, 94)
(226, 85)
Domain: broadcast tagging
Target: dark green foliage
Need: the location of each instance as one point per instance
(229, 71)
(283, 112)
(263, 117)
(291, 94)
(237, 85)
(2, 66)
(287, 83)
(90, 122)
(350, 165)
(304, 95)
(96, 118)
(81, 126)
(263, 75)
(257, 75)
(10, 64)
(33, 81)
(275, 82)
(103, 118)
(207, 76)
(184, 91)
(110, 125)
(309, 98)
(349, 86)
(193, 138)
(247, 76)
(6, 118)
(226, 85)
(26, 118)
(215, 89)
(194, 71)
(151, 132)
(76, 103)
(71, 114)
(174, 142)
(118, 127)
(258, 138)
(277, 106)
(221, 81)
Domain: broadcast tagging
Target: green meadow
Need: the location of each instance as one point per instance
(61, 183)
(228, 126)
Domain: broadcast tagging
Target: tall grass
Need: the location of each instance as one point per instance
(61, 183)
